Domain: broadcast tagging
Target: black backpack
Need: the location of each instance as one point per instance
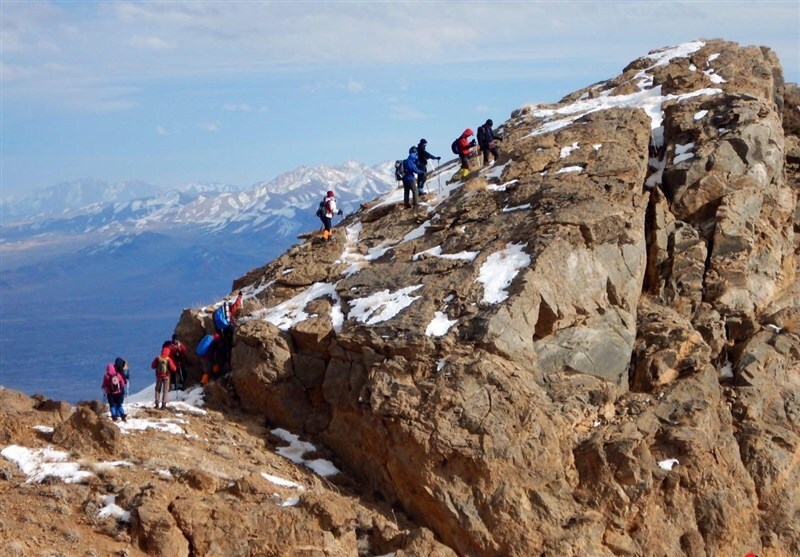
(482, 139)
(454, 146)
(321, 210)
(398, 170)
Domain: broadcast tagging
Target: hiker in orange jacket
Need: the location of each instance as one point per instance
(163, 365)
(464, 148)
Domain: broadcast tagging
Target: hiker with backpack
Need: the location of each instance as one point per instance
(410, 172)
(210, 352)
(462, 147)
(177, 354)
(327, 209)
(164, 366)
(487, 141)
(225, 317)
(121, 366)
(424, 156)
(114, 387)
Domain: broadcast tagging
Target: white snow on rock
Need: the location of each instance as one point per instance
(291, 501)
(499, 270)
(700, 115)
(436, 251)
(418, 232)
(111, 509)
(683, 153)
(439, 325)
(565, 151)
(664, 56)
(382, 305)
(289, 313)
(43, 428)
(503, 186)
(714, 77)
(713, 57)
(597, 146)
(517, 208)
(38, 464)
(566, 169)
(296, 450)
(350, 255)
(726, 372)
(668, 464)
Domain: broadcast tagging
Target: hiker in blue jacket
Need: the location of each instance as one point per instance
(410, 171)
(424, 156)
(487, 141)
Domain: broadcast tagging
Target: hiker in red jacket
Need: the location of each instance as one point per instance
(464, 148)
(163, 365)
(177, 353)
(114, 387)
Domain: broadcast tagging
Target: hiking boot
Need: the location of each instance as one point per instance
(114, 418)
(164, 406)
(124, 417)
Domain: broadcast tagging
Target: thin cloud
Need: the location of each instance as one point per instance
(152, 43)
(355, 86)
(209, 126)
(237, 107)
(161, 131)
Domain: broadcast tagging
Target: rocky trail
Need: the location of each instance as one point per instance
(187, 480)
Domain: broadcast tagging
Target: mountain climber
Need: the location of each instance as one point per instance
(114, 387)
(225, 320)
(464, 148)
(424, 156)
(212, 359)
(122, 368)
(177, 354)
(164, 366)
(487, 141)
(410, 172)
(328, 208)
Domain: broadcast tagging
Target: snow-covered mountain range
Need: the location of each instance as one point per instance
(283, 206)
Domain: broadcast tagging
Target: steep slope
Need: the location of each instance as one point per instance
(589, 349)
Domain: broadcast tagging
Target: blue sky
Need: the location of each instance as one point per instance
(239, 92)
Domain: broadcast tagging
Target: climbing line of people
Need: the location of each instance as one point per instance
(214, 352)
(413, 170)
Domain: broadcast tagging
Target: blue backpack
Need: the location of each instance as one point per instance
(221, 321)
(204, 345)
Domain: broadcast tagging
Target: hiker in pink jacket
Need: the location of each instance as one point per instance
(114, 387)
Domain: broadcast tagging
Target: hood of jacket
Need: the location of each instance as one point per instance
(111, 370)
(467, 133)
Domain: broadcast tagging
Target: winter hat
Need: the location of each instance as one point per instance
(423, 141)
(751, 555)
(111, 369)
(412, 150)
(489, 121)
(330, 193)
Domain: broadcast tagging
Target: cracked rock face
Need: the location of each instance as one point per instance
(590, 348)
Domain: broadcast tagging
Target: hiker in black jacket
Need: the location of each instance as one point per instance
(487, 141)
(424, 156)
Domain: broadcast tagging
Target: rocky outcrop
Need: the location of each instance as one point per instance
(589, 349)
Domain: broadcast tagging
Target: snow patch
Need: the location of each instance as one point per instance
(43, 428)
(499, 270)
(382, 305)
(700, 115)
(296, 450)
(439, 325)
(111, 509)
(668, 464)
(38, 464)
(436, 251)
(517, 208)
(566, 169)
(291, 312)
(565, 151)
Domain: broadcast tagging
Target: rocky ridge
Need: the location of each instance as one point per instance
(590, 348)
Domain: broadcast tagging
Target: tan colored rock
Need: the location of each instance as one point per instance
(85, 430)
(156, 531)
